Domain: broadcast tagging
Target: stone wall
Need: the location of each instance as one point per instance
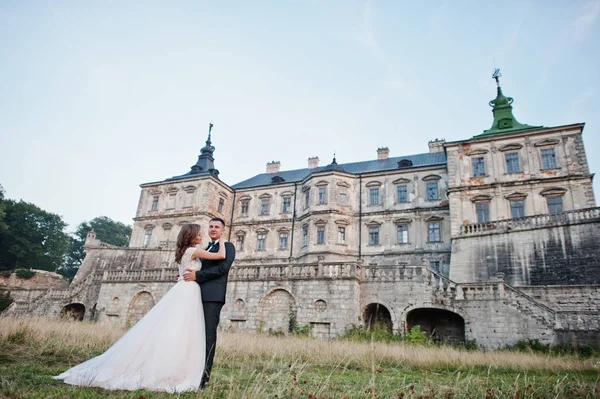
(559, 249)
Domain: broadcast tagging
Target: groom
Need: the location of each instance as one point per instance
(212, 279)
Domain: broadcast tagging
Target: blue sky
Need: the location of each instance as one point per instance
(99, 97)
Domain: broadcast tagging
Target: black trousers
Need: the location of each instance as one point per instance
(212, 313)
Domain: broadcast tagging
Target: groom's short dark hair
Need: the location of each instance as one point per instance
(218, 220)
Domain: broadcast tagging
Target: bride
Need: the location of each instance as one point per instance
(165, 350)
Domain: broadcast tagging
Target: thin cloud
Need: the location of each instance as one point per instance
(368, 35)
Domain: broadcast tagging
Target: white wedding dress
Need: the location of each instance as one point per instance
(164, 351)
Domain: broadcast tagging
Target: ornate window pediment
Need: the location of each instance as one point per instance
(245, 198)
(262, 230)
(155, 191)
(305, 188)
(546, 143)
(190, 189)
(172, 190)
(223, 194)
(482, 198)
(432, 178)
(322, 183)
(403, 221)
(287, 194)
(374, 223)
(321, 222)
(183, 222)
(516, 196)
(477, 151)
(240, 233)
(553, 192)
(511, 147)
(343, 184)
(342, 222)
(374, 184)
(434, 218)
(167, 226)
(149, 226)
(401, 180)
(265, 196)
(283, 229)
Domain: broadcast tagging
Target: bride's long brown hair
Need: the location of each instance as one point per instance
(185, 238)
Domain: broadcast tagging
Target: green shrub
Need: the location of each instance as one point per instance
(24, 273)
(417, 336)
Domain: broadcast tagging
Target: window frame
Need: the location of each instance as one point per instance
(478, 166)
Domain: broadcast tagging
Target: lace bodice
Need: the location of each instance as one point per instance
(187, 261)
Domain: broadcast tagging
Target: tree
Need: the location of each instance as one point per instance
(33, 238)
(107, 231)
(2, 213)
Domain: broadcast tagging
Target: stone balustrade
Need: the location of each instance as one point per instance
(139, 275)
(293, 272)
(531, 222)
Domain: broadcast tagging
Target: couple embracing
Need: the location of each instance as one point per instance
(172, 347)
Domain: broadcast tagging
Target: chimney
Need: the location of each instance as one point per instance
(436, 145)
(273, 166)
(383, 153)
(313, 162)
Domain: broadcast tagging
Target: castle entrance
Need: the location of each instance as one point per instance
(73, 311)
(375, 315)
(275, 312)
(140, 305)
(442, 326)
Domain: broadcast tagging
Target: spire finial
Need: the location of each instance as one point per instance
(497, 75)
(210, 126)
(334, 161)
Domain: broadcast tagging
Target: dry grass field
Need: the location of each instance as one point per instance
(262, 366)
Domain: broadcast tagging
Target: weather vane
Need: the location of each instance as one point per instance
(496, 75)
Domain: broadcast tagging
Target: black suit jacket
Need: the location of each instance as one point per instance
(212, 278)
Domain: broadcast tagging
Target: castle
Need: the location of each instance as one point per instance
(493, 239)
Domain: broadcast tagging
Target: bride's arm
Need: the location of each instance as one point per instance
(202, 254)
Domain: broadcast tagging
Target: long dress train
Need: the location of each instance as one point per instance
(164, 351)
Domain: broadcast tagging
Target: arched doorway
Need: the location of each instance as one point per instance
(275, 311)
(73, 311)
(375, 315)
(140, 305)
(442, 326)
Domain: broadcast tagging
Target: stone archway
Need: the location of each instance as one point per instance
(140, 305)
(442, 326)
(275, 311)
(73, 311)
(376, 315)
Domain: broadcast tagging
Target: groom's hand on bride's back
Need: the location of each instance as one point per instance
(189, 274)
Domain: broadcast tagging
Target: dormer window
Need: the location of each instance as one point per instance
(405, 163)
(277, 179)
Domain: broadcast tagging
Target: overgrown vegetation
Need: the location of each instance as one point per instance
(260, 366)
(535, 346)
(24, 273)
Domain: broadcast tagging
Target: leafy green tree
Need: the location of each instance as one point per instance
(33, 238)
(2, 213)
(107, 231)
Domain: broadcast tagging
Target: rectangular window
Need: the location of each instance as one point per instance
(343, 196)
(287, 205)
(555, 204)
(283, 240)
(221, 205)
(244, 208)
(432, 191)
(321, 235)
(548, 158)
(517, 209)
(260, 243)
(304, 236)
(341, 235)
(240, 242)
(512, 162)
(171, 201)
(307, 199)
(322, 195)
(374, 235)
(402, 194)
(433, 232)
(434, 265)
(483, 212)
(402, 234)
(147, 236)
(264, 206)
(154, 203)
(478, 166)
(374, 196)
